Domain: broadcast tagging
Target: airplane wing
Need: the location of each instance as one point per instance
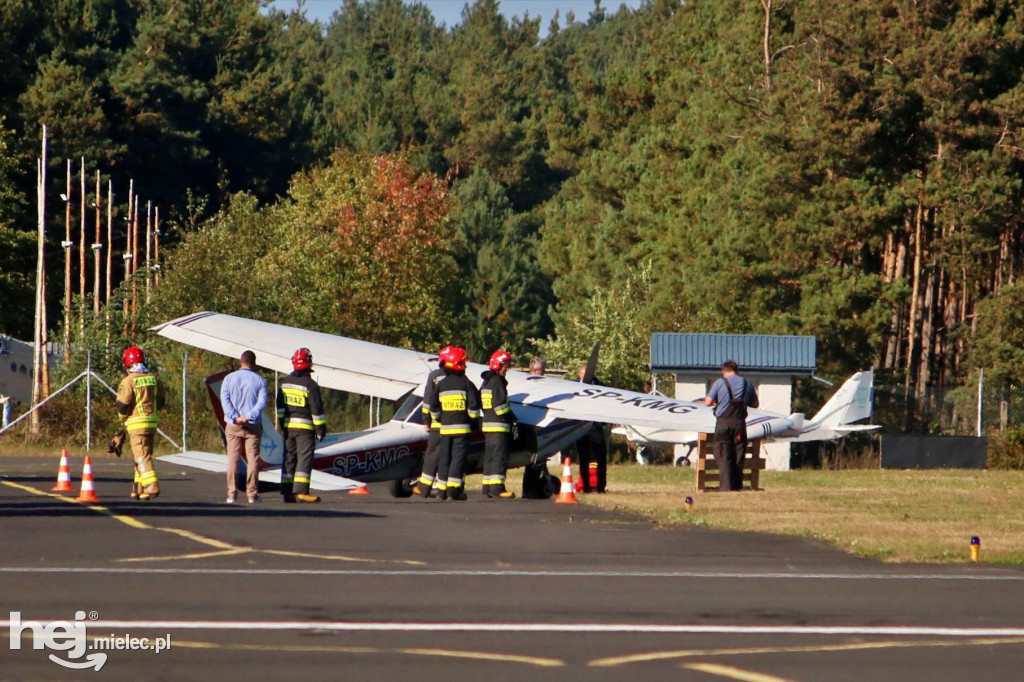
(340, 363)
(539, 400)
(372, 369)
(209, 461)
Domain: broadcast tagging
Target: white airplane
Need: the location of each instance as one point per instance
(852, 403)
(553, 413)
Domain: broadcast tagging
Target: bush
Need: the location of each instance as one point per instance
(1006, 449)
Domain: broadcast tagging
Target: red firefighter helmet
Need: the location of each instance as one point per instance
(443, 352)
(133, 355)
(454, 358)
(499, 359)
(302, 359)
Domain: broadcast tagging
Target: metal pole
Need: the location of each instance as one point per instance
(68, 245)
(276, 425)
(110, 249)
(96, 247)
(981, 385)
(184, 403)
(88, 401)
(81, 257)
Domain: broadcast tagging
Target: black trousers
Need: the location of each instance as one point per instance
(430, 461)
(496, 447)
(298, 461)
(591, 448)
(451, 461)
(730, 450)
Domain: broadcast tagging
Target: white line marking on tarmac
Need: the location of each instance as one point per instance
(712, 575)
(572, 628)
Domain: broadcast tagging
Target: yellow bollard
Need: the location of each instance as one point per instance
(975, 549)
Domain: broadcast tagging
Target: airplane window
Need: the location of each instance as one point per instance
(23, 369)
(410, 408)
(14, 367)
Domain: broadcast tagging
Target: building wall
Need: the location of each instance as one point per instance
(775, 392)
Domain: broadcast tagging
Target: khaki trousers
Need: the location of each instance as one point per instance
(142, 452)
(244, 441)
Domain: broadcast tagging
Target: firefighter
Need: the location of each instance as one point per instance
(300, 412)
(136, 406)
(429, 473)
(498, 423)
(455, 405)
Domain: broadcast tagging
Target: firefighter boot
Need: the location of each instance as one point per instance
(307, 498)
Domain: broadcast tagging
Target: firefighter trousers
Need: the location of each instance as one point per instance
(298, 461)
(496, 447)
(428, 475)
(451, 462)
(142, 453)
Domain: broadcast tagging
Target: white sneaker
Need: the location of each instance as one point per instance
(230, 500)
(254, 500)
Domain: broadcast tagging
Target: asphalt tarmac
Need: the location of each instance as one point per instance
(376, 588)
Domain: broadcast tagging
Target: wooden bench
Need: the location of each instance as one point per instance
(707, 466)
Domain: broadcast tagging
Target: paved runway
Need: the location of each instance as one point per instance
(376, 588)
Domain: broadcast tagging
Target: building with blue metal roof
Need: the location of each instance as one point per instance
(770, 362)
(761, 353)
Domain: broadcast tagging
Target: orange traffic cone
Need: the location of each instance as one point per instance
(63, 475)
(566, 494)
(359, 491)
(88, 491)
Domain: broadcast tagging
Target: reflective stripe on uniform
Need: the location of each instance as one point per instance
(426, 480)
(454, 482)
(442, 485)
(502, 409)
(497, 427)
(473, 414)
(147, 477)
(298, 423)
(486, 399)
(319, 419)
(286, 478)
(455, 429)
(302, 478)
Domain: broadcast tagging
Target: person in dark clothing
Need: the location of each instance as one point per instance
(455, 405)
(300, 412)
(731, 396)
(498, 422)
(428, 475)
(592, 448)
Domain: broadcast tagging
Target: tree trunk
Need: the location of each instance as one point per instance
(915, 308)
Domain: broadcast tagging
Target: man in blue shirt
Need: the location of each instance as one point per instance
(243, 394)
(731, 396)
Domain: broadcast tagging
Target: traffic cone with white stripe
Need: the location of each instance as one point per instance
(566, 495)
(63, 475)
(88, 491)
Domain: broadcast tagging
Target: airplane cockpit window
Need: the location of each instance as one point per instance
(410, 411)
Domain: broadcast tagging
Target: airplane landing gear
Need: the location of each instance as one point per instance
(401, 488)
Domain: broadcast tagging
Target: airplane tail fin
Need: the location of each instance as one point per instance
(271, 447)
(851, 403)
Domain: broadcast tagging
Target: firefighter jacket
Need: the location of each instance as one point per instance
(498, 415)
(428, 391)
(299, 405)
(455, 403)
(136, 402)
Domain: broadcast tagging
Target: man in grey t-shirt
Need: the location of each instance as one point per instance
(731, 396)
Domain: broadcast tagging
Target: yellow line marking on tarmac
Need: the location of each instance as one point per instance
(224, 548)
(445, 653)
(339, 557)
(734, 673)
(481, 656)
(199, 555)
(810, 648)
